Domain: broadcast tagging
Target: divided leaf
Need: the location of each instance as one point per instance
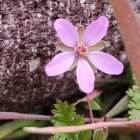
(134, 103)
(65, 115)
(100, 134)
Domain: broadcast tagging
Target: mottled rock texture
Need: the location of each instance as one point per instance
(27, 40)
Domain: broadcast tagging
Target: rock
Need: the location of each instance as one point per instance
(27, 39)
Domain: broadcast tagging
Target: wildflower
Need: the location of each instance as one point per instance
(83, 49)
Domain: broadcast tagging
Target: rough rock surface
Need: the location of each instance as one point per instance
(27, 40)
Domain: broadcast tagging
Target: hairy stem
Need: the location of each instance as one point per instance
(73, 129)
(21, 116)
(90, 108)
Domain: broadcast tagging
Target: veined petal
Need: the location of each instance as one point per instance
(60, 63)
(106, 63)
(97, 47)
(85, 76)
(66, 32)
(95, 31)
(62, 47)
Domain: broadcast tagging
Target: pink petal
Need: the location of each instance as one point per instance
(85, 76)
(60, 63)
(95, 31)
(106, 62)
(66, 32)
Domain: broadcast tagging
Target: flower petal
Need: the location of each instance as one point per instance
(97, 47)
(60, 64)
(62, 47)
(95, 31)
(85, 76)
(66, 32)
(106, 63)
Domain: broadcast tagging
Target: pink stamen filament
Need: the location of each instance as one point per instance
(81, 50)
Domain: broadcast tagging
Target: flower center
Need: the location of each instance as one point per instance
(81, 50)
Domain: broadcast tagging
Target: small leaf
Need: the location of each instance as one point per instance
(134, 114)
(100, 134)
(17, 134)
(9, 127)
(85, 135)
(134, 103)
(94, 105)
(65, 115)
(13, 129)
(125, 137)
(118, 108)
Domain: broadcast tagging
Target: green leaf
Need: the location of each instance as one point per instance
(134, 114)
(85, 135)
(134, 103)
(17, 134)
(94, 105)
(65, 115)
(9, 129)
(122, 105)
(100, 134)
(125, 137)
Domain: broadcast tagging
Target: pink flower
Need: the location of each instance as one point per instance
(82, 49)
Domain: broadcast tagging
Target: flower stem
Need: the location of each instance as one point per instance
(19, 116)
(90, 108)
(74, 129)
